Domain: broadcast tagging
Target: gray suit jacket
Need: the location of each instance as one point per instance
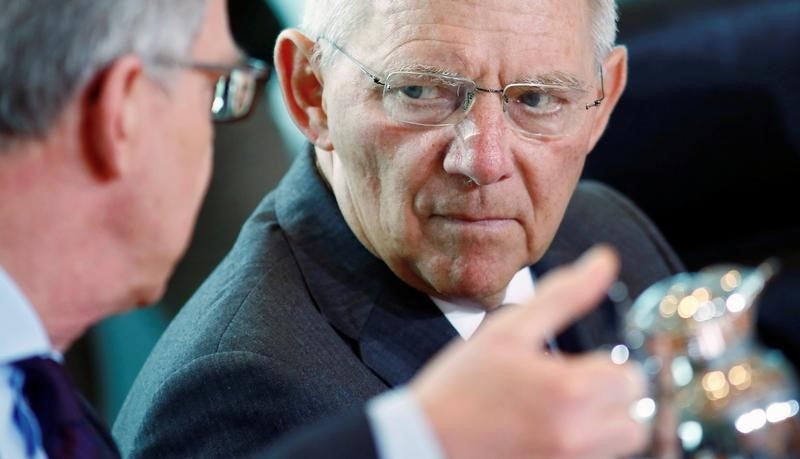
(300, 322)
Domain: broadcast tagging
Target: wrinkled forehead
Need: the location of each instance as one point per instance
(478, 38)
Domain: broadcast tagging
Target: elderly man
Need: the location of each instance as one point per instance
(447, 142)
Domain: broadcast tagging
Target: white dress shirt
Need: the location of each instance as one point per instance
(398, 423)
(22, 335)
(466, 317)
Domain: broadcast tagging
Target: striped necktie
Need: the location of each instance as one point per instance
(66, 432)
(23, 417)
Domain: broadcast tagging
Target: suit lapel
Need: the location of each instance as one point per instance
(344, 279)
(404, 330)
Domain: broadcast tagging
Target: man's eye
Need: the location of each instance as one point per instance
(538, 101)
(533, 99)
(419, 92)
(414, 92)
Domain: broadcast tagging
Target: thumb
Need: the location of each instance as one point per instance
(562, 296)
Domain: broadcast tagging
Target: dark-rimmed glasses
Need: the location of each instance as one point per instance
(435, 99)
(235, 89)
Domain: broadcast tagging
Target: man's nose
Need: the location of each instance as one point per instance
(480, 151)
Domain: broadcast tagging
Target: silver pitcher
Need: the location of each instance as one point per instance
(717, 393)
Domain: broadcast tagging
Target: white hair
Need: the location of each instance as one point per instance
(337, 19)
(50, 49)
(334, 20)
(604, 27)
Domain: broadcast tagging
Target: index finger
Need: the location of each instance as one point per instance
(562, 296)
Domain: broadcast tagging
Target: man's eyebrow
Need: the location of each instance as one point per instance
(424, 68)
(557, 78)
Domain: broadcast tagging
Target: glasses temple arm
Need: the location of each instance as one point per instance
(362, 67)
(599, 101)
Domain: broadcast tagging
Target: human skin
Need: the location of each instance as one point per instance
(453, 218)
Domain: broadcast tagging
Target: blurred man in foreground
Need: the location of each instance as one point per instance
(446, 143)
(105, 153)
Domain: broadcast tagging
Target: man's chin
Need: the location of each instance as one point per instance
(149, 295)
(479, 290)
(153, 285)
(478, 280)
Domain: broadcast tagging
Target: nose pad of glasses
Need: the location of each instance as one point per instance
(466, 137)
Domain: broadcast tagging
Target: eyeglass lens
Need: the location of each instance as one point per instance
(234, 95)
(439, 100)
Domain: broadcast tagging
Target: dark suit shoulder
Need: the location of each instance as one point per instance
(224, 376)
(346, 436)
(217, 406)
(598, 214)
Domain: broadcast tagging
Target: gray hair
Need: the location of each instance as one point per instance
(50, 49)
(336, 19)
(604, 27)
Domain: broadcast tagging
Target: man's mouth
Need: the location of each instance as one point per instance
(469, 219)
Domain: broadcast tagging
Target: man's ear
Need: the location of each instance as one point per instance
(301, 85)
(113, 110)
(615, 76)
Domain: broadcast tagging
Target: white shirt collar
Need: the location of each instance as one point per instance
(466, 318)
(22, 334)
